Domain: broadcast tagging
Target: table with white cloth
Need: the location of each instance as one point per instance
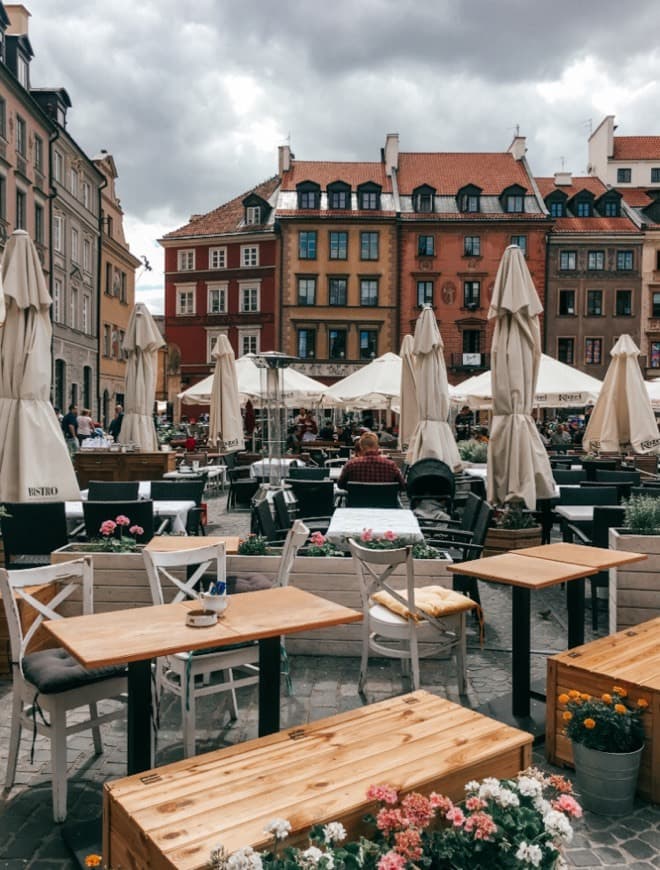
(176, 511)
(580, 515)
(263, 467)
(350, 523)
(215, 474)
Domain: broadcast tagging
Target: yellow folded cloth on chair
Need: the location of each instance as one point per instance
(433, 600)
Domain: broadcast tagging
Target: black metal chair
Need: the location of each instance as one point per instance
(568, 476)
(265, 524)
(140, 513)
(304, 472)
(283, 518)
(110, 490)
(622, 487)
(591, 466)
(573, 495)
(33, 530)
(372, 495)
(183, 490)
(241, 490)
(316, 498)
(604, 476)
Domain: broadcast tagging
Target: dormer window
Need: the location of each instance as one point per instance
(583, 208)
(369, 196)
(469, 199)
(611, 208)
(22, 71)
(513, 199)
(609, 205)
(582, 204)
(339, 195)
(253, 214)
(557, 209)
(423, 199)
(309, 195)
(256, 210)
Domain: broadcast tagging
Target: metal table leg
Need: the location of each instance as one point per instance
(269, 685)
(575, 607)
(139, 717)
(520, 651)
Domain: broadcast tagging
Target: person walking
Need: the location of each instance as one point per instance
(85, 425)
(115, 424)
(70, 429)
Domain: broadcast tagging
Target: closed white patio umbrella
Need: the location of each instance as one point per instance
(141, 344)
(34, 461)
(432, 438)
(408, 401)
(623, 418)
(225, 422)
(518, 465)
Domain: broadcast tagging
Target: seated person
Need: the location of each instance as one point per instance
(387, 439)
(308, 433)
(370, 466)
(327, 432)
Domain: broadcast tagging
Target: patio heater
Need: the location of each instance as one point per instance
(274, 362)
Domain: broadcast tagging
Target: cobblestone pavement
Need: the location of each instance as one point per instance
(322, 686)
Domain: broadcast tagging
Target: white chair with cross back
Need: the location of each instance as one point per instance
(48, 683)
(192, 675)
(394, 625)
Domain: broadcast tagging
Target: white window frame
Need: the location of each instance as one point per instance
(253, 214)
(57, 300)
(249, 255)
(58, 165)
(185, 259)
(87, 255)
(254, 288)
(73, 308)
(223, 293)
(211, 338)
(251, 333)
(86, 309)
(86, 194)
(218, 258)
(189, 291)
(75, 245)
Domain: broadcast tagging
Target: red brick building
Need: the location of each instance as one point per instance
(220, 277)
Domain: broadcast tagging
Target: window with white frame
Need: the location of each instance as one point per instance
(185, 300)
(248, 341)
(217, 258)
(38, 153)
(57, 300)
(253, 214)
(86, 194)
(73, 310)
(75, 245)
(58, 227)
(87, 255)
(248, 295)
(217, 301)
(86, 304)
(186, 260)
(73, 182)
(58, 165)
(21, 136)
(249, 255)
(211, 338)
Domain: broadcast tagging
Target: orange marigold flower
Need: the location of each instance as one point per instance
(563, 698)
(573, 695)
(589, 723)
(607, 698)
(643, 703)
(566, 716)
(93, 861)
(620, 708)
(585, 697)
(620, 692)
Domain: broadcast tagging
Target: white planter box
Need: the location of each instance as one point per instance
(634, 589)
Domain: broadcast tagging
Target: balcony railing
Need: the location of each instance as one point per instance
(472, 362)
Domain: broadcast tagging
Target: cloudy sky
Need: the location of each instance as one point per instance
(193, 98)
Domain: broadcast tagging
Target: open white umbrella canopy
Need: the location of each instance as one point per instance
(34, 460)
(518, 464)
(376, 385)
(623, 417)
(225, 423)
(432, 438)
(408, 400)
(141, 344)
(558, 386)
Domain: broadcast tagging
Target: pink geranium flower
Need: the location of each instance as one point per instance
(409, 844)
(440, 802)
(566, 803)
(366, 536)
(389, 820)
(418, 809)
(384, 793)
(455, 816)
(136, 530)
(317, 539)
(389, 535)
(108, 527)
(121, 520)
(482, 825)
(392, 861)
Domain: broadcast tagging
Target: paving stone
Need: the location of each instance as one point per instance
(584, 858)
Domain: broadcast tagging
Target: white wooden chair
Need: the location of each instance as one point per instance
(295, 538)
(191, 675)
(48, 683)
(388, 634)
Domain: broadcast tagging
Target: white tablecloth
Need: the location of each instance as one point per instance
(350, 522)
(263, 466)
(213, 472)
(177, 511)
(576, 513)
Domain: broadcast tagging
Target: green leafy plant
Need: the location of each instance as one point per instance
(514, 516)
(611, 723)
(389, 541)
(253, 545)
(473, 451)
(319, 546)
(642, 515)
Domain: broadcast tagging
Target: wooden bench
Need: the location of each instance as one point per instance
(172, 817)
(630, 659)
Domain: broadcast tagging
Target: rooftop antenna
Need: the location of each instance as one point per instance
(562, 160)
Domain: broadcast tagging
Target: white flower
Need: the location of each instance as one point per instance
(472, 786)
(218, 857)
(529, 854)
(245, 859)
(490, 789)
(507, 798)
(541, 805)
(310, 858)
(281, 828)
(334, 832)
(529, 787)
(557, 825)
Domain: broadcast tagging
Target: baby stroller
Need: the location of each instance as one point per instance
(430, 486)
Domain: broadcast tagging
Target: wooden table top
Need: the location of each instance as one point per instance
(174, 543)
(526, 571)
(577, 554)
(120, 636)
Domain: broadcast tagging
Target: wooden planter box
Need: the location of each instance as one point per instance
(634, 589)
(630, 659)
(171, 817)
(502, 540)
(334, 578)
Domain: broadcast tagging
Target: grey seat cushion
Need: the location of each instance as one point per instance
(55, 670)
(252, 583)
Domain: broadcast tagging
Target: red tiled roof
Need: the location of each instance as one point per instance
(582, 182)
(325, 172)
(595, 225)
(334, 215)
(227, 217)
(636, 148)
(637, 197)
(449, 172)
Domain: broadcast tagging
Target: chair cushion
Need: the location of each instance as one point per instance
(435, 601)
(251, 583)
(55, 670)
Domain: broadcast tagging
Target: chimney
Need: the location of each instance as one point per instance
(18, 19)
(563, 179)
(391, 152)
(518, 148)
(283, 159)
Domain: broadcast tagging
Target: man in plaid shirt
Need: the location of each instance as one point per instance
(370, 466)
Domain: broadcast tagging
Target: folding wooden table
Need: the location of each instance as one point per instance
(538, 568)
